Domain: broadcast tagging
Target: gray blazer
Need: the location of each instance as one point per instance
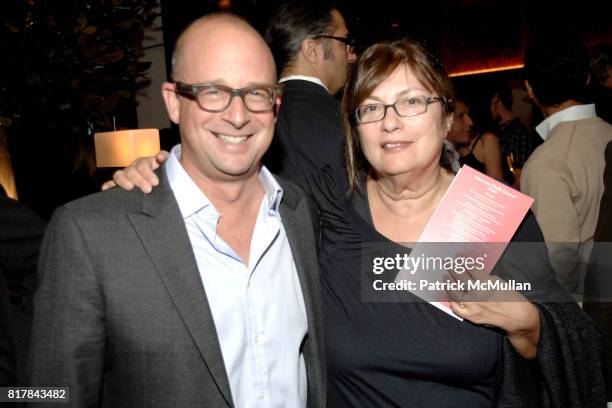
(121, 316)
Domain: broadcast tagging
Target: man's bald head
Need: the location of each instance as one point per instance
(221, 29)
(218, 52)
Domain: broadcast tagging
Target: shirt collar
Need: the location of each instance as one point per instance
(572, 113)
(312, 79)
(273, 190)
(191, 199)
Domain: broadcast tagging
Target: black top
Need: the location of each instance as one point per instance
(516, 144)
(471, 160)
(308, 132)
(515, 138)
(390, 354)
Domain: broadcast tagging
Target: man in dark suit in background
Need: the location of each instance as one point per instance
(7, 348)
(205, 292)
(598, 281)
(312, 49)
(21, 232)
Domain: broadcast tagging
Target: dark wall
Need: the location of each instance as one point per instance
(367, 21)
(461, 31)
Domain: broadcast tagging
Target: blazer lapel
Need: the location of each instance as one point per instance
(161, 228)
(297, 216)
(302, 247)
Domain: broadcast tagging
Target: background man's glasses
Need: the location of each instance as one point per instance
(405, 107)
(216, 98)
(348, 40)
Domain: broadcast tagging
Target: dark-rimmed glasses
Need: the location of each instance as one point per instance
(349, 41)
(216, 98)
(405, 107)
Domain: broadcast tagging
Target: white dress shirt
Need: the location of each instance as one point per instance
(312, 79)
(576, 112)
(258, 309)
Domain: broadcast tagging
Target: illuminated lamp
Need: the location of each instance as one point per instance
(120, 148)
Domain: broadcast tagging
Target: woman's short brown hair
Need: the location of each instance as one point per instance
(372, 67)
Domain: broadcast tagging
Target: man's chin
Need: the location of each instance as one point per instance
(236, 173)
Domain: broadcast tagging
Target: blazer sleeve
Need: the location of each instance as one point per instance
(68, 336)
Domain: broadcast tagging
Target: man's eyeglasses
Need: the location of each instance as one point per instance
(216, 98)
(348, 40)
(411, 106)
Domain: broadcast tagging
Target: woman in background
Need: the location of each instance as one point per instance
(481, 151)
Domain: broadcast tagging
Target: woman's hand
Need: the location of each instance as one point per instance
(139, 173)
(507, 310)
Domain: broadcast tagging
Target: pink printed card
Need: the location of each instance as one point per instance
(477, 213)
(477, 208)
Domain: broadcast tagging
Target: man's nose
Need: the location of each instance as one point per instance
(237, 113)
(468, 120)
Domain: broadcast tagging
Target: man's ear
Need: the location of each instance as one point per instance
(449, 123)
(495, 104)
(311, 50)
(172, 101)
(277, 104)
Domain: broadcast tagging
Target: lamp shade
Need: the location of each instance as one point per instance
(120, 148)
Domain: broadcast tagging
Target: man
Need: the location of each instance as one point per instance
(514, 137)
(21, 232)
(598, 281)
(203, 293)
(600, 86)
(7, 348)
(312, 48)
(565, 173)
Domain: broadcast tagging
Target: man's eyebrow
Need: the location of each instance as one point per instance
(222, 82)
(263, 84)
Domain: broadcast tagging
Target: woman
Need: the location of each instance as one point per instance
(481, 151)
(397, 112)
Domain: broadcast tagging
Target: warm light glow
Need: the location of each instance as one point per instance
(7, 178)
(486, 70)
(224, 4)
(119, 149)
